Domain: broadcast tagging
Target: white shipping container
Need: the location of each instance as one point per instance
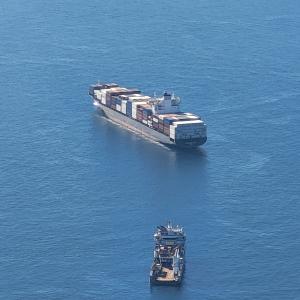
(138, 97)
(123, 107)
(192, 122)
(134, 113)
(98, 95)
(145, 122)
(135, 104)
(103, 98)
(117, 89)
(155, 120)
(118, 107)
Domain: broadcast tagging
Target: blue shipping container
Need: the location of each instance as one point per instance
(129, 108)
(147, 111)
(168, 121)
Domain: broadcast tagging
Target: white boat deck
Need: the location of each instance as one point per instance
(169, 276)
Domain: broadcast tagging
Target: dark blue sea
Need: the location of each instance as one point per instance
(81, 197)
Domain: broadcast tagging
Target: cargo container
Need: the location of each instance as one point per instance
(134, 108)
(124, 107)
(118, 107)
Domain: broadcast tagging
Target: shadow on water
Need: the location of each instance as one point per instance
(195, 153)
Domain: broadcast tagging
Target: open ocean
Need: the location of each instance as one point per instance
(81, 197)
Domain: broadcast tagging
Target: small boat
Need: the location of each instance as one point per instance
(168, 262)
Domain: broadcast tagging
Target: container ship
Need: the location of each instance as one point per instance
(168, 262)
(157, 118)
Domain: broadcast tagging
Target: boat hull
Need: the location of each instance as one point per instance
(145, 131)
(165, 283)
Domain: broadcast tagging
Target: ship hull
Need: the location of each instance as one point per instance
(165, 283)
(147, 132)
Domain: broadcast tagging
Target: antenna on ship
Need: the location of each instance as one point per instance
(169, 224)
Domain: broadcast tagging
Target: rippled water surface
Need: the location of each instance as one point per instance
(80, 196)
